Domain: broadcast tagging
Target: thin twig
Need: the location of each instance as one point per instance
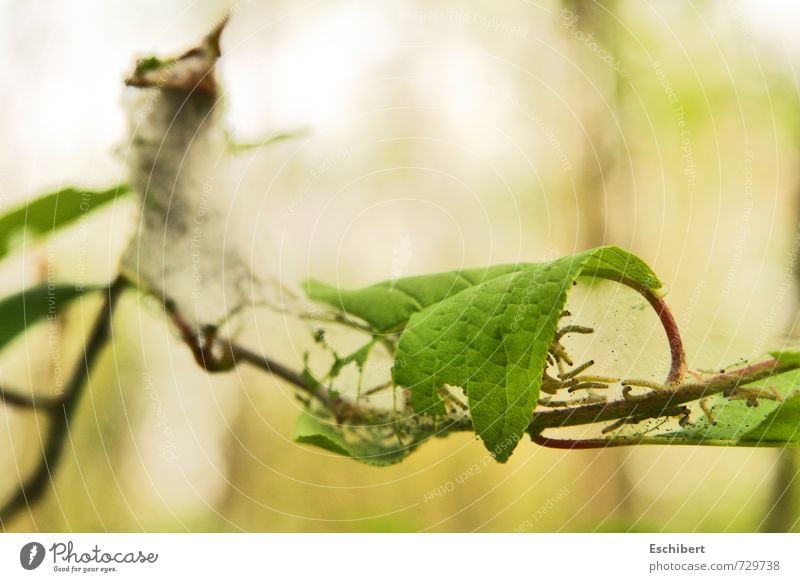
(14, 398)
(242, 354)
(35, 485)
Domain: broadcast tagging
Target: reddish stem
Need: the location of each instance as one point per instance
(677, 368)
(573, 444)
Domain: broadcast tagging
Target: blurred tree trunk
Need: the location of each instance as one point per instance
(781, 515)
(594, 196)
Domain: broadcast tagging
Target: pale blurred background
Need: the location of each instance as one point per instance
(438, 135)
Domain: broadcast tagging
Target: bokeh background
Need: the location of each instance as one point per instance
(431, 136)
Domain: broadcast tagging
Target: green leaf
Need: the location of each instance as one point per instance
(238, 147)
(379, 443)
(149, 64)
(387, 306)
(782, 425)
(308, 375)
(52, 211)
(21, 311)
(787, 357)
(485, 330)
(360, 356)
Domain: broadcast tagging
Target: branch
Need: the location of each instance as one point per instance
(654, 404)
(14, 398)
(240, 353)
(649, 405)
(218, 354)
(62, 409)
